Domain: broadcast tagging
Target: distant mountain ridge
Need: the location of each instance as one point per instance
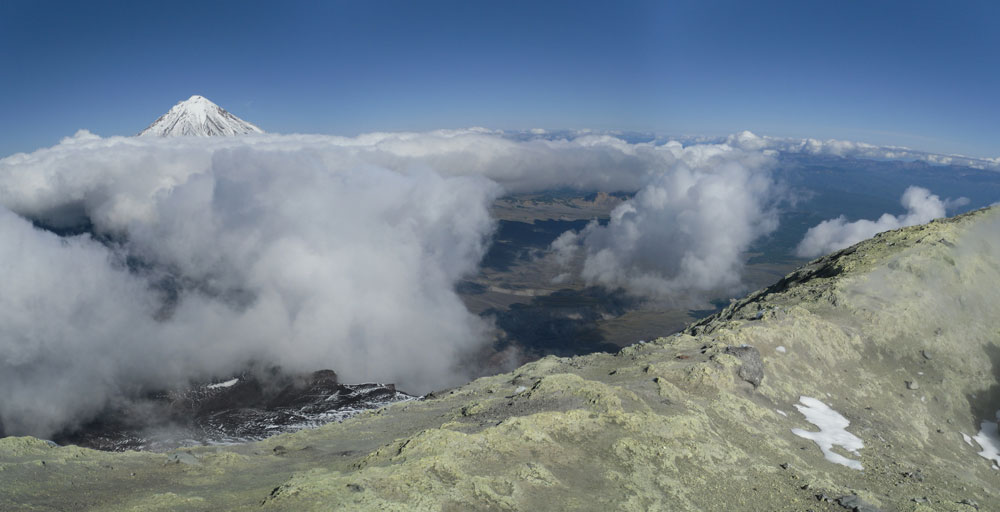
(197, 116)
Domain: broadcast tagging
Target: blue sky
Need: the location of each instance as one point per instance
(920, 74)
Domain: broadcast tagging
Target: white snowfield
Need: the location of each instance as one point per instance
(198, 117)
(989, 440)
(831, 431)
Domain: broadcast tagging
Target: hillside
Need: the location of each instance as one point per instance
(897, 335)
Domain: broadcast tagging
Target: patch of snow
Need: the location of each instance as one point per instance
(783, 413)
(228, 384)
(989, 440)
(314, 420)
(832, 432)
(966, 438)
(780, 348)
(519, 390)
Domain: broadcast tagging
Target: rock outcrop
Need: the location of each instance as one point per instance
(827, 421)
(249, 407)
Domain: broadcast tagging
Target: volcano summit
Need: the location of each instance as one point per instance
(199, 117)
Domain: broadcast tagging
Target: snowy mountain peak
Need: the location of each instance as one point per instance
(199, 117)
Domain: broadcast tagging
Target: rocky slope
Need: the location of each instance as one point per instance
(867, 380)
(248, 407)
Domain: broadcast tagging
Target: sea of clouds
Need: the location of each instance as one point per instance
(197, 256)
(851, 149)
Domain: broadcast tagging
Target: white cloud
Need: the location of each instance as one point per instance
(289, 250)
(64, 313)
(314, 251)
(843, 148)
(835, 234)
(685, 232)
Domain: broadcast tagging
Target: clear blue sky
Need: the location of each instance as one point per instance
(920, 74)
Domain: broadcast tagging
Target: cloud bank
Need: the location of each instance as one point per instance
(218, 252)
(199, 255)
(835, 234)
(686, 231)
(849, 149)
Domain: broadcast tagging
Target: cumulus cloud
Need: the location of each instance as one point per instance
(308, 251)
(835, 234)
(685, 232)
(216, 252)
(64, 313)
(584, 162)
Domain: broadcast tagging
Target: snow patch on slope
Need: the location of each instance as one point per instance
(832, 431)
(989, 440)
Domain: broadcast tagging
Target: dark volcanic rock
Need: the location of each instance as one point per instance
(856, 504)
(752, 369)
(244, 408)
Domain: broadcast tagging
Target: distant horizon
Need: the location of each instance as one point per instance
(916, 75)
(913, 153)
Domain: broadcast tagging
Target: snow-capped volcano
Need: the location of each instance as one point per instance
(199, 117)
